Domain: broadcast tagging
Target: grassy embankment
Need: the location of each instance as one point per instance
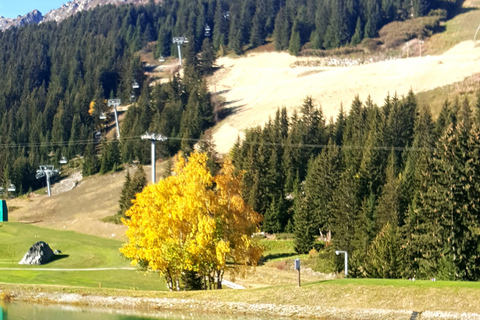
(79, 251)
(91, 252)
(460, 28)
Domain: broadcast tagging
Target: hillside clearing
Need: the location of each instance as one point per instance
(81, 209)
(255, 86)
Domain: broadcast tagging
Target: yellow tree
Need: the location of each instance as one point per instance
(192, 222)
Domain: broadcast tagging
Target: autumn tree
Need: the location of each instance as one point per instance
(193, 223)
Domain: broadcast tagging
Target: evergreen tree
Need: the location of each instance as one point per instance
(90, 161)
(126, 197)
(388, 203)
(383, 257)
(295, 42)
(139, 181)
(271, 219)
(358, 35)
(304, 229)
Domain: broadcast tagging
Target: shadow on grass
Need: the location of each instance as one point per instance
(225, 112)
(57, 257)
(273, 256)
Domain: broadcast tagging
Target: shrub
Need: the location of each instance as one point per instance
(371, 45)
(313, 253)
(441, 13)
(397, 32)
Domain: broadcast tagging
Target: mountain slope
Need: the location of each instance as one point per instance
(255, 86)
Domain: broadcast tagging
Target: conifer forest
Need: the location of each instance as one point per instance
(396, 188)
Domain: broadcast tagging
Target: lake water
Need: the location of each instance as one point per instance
(25, 311)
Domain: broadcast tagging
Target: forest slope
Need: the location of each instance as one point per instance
(256, 85)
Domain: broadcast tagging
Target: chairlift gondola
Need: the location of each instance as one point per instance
(161, 59)
(12, 188)
(63, 160)
(102, 116)
(132, 98)
(135, 85)
(207, 30)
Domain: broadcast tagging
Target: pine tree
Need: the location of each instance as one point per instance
(126, 197)
(258, 35)
(383, 258)
(320, 185)
(388, 203)
(271, 219)
(295, 44)
(358, 35)
(304, 229)
(90, 161)
(282, 31)
(105, 165)
(345, 207)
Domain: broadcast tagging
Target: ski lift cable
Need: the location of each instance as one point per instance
(138, 138)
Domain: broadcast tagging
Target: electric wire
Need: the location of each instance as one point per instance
(274, 144)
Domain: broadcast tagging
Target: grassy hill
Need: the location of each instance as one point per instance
(78, 251)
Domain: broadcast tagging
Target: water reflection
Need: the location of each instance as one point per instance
(25, 311)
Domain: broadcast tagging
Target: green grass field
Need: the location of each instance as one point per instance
(91, 252)
(79, 251)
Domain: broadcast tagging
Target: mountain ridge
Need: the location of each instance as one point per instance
(66, 10)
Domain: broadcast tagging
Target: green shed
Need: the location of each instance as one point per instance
(3, 211)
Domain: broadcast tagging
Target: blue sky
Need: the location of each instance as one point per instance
(13, 8)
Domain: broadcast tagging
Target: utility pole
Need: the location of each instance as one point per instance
(179, 41)
(153, 137)
(115, 103)
(48, 172)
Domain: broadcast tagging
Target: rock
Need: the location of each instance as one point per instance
(39, 253)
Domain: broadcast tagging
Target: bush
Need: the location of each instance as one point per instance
(308, 52)
(397, 32)
(325, 262)
(371, 45)
(441, 13)
(313, 253)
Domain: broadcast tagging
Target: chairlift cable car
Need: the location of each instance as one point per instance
(102, 116)
(12, 188)
(207, 30)
(63, 160)
(135, 85)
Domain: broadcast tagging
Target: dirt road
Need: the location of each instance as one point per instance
(256, 85)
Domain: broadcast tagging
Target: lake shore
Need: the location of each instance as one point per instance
(192, 302)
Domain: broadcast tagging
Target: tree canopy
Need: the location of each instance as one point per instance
(193, 223)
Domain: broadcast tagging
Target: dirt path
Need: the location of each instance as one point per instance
(256, 85)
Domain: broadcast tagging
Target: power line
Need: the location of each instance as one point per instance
(138, 138)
